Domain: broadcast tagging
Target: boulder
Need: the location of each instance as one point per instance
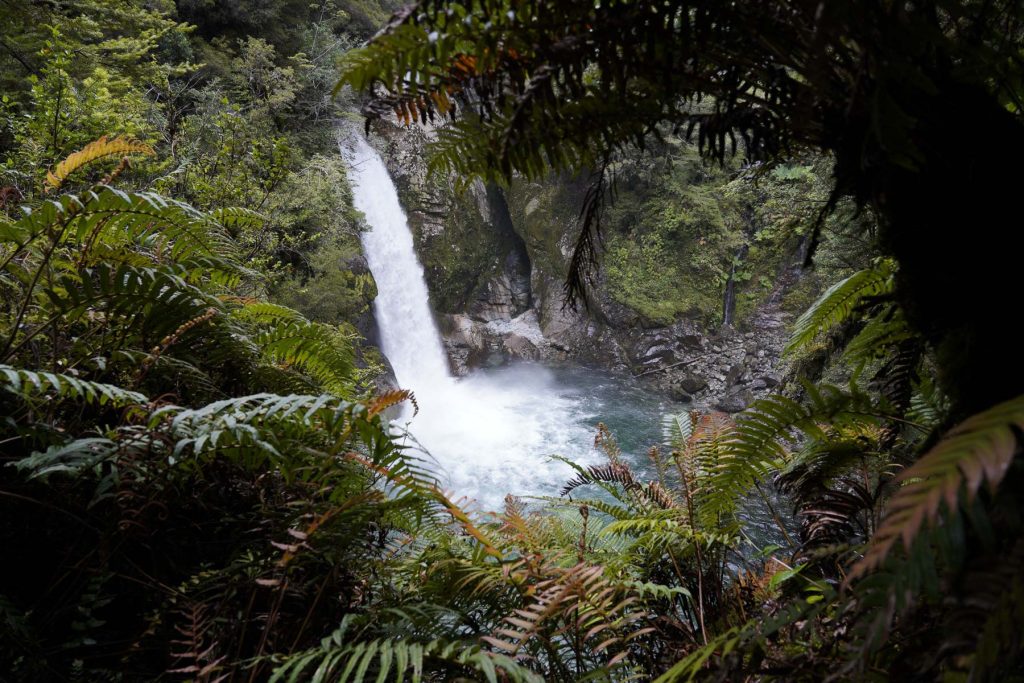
(734, 402)
(679, 394)
(693, 342)
(692, 384)
(520, 347)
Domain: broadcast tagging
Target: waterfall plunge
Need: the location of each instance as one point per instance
(409, 337)
(489, 433)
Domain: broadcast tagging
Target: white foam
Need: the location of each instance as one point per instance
(490, 434)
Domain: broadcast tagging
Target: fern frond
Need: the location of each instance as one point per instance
(755, 447)
(742, 640)
(157, 301)
(394, 659)
(264, 312)
(321, 351)
(840, 301)
(100, 149)
(676, 430)
(236, 218)
(27, 383)
(928, 405)
(976, 452)
(72, 458)
(884, 331)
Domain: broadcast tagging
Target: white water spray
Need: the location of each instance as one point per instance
(490, 433)
(409, 337)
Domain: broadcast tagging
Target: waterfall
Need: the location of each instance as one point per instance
(490, 433)
(409, 336)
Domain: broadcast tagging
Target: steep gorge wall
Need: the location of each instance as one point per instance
(495, 261)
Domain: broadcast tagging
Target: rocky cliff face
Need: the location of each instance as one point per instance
(495, 261)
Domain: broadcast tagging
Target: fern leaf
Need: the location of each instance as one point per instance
(320, 350)
(100, 149)
(974, 453)
(839, 302)
(755, 447)
(238, 218)
(27, 383)
(393, 659)
(676, 430)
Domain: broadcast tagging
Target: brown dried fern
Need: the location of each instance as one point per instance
(975, 452)
(196, 647)
(103, 148)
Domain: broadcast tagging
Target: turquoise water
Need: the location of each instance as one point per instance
(493, 433)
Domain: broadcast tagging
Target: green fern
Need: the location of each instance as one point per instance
(840, 301)
(754, 449)
(324, 353)
(29, 384)
(676, 430)
(393, 660)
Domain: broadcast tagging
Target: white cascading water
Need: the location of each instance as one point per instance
(490, 434)
(409, 337)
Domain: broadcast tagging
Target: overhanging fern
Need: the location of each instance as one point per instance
(840, 301)
(974, 453)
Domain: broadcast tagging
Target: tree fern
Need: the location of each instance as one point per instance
(152, 300)
(749, 639)
(676, 430)
(840, 301)
(321, 351)
(755, 448)
(974, 453)
(29, 384)
(395, 660)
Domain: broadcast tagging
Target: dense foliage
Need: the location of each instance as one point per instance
(888, 89)
(199, 482)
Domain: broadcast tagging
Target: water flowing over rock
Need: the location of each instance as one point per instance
(408, 334)
(488, 434)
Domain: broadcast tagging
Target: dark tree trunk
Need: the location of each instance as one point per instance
(953, 224)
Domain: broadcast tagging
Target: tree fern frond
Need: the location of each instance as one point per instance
(70, 458)
(94, 151)
(928, 406)
(265, 312)
(394, 659)
(977, 451)
(139, 219)
(27, 383)
(884, 331)
(319, 350)
(754, 448)
(611, 473)
(676, 430)
(156, 300)
(737, 639)
(839, 302)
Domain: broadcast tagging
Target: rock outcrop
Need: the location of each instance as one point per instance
(495, 263)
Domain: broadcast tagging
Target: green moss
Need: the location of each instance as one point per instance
(336, 291)
(644, 277)
(670, 247)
